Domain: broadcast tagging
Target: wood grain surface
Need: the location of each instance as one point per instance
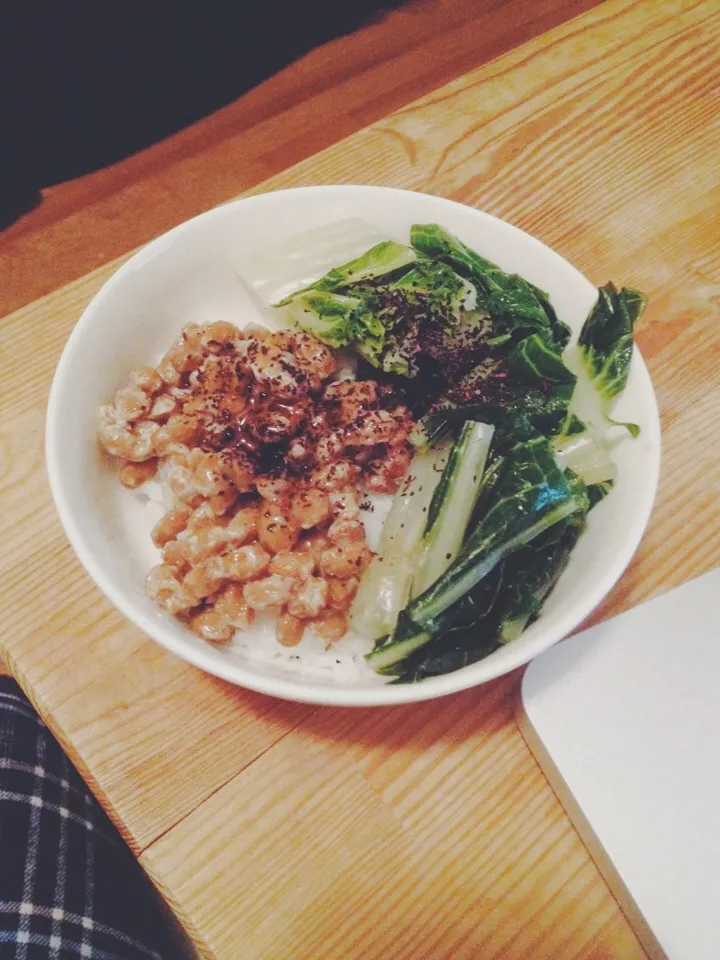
(332, 92)
(277, 830)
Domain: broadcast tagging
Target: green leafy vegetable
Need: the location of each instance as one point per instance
(598, 491)
(531, 573)
(516, 307)
(452, 504)
(536, 359)
(530, 496)
(379, 261)
(605, 343)
(545, 410)
(463, 635)
(331, 317)
(561, 331)
(498, 609)
(434, 279)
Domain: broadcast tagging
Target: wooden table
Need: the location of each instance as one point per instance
(279, 830)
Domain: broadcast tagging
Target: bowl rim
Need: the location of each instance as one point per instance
(287, 687)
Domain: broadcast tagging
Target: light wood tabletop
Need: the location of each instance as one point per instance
(279, 830)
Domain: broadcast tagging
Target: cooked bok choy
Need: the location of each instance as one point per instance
(385, 586)
(424, 529)
(467, 560)
(532, 495)
(605, 343)
(452, 503)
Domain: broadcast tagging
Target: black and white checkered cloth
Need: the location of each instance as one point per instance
(69, 887)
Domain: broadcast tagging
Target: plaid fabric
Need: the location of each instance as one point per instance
(69, 887)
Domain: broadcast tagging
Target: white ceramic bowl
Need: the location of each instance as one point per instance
(190, 274)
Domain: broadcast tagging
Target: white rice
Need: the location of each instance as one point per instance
(313, 658)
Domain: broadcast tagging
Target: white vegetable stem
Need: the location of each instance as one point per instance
(587, 455)
(453, 503)
(385, 587)
(276, 271)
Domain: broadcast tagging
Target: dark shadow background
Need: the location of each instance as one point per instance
(84, 84)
